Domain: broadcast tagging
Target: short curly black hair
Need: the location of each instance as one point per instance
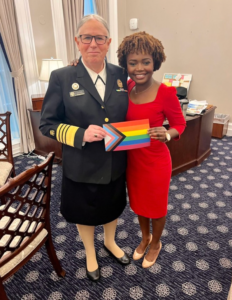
(141, 42)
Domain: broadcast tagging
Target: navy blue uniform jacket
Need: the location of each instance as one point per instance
(66, 113)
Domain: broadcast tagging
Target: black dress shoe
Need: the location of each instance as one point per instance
(124, 260)
(93, 276)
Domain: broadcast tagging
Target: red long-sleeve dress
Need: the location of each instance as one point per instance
(149, 169)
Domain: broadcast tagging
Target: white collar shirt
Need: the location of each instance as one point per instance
(100, 86)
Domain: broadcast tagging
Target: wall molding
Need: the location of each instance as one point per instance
(229, 130)
(16, 150)
(59, 30)
(113, 24)
(26, 40)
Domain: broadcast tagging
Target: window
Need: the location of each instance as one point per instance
(7, 97)
(89, 7)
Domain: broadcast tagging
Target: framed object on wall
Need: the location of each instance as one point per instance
(176, 79)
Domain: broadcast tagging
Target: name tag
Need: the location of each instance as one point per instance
(121, 90)
(76, 93)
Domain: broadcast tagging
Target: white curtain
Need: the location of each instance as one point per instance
(73, 12)
(7, 98)
(103, 9)
(9, 34)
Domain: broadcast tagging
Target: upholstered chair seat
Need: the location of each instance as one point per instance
(4, 240)
(25, 220)
(5, 171)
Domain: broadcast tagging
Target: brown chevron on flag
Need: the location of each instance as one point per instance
(114, 137)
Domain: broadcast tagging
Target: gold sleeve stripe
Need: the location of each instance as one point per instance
(70, 135)
(65, 133)
(59, 132)
(62, 133)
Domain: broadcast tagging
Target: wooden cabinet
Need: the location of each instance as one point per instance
(220, 130)
(193, 147)
(37, 101)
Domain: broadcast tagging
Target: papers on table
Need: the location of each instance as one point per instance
(196, 107)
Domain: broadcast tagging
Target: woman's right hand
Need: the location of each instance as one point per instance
(158, 133)
(74, 62)
(94, 133)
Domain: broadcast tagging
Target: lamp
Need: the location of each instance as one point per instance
(49, 65)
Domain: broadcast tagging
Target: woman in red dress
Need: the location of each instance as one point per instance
(149, 169)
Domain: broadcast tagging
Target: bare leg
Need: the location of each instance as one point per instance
(87, 236)
(109, 230)
(145, 228)
(157, 229)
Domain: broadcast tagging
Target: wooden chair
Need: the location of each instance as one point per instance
(25, 220)
(6, 157)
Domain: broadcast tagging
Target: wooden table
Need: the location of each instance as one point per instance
(188, 152)
(194, 145)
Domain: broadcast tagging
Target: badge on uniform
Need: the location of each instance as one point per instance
(75, 87)
(52, 132)
(76, 93)
(120, 85)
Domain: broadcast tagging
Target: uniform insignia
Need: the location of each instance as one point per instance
(52, 132)
(121, 90)
(66, 134)
(75, 86)
(119, 83)
(77, 93)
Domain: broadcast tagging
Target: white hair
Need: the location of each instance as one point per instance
(92, 17)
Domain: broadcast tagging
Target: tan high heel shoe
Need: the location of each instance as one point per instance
(146, 263)
(137, 255)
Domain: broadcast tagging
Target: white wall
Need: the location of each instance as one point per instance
(197, 39)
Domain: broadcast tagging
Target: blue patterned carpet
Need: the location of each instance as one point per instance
(194, 263)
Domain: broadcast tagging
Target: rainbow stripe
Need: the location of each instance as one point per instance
(133, 135)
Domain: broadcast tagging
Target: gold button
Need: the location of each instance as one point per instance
(103, 107)
(106, 120)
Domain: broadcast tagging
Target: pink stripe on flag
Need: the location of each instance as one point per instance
(129, 147)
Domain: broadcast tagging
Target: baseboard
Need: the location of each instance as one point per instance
(229, 130)
(16, 148)
(184, 167)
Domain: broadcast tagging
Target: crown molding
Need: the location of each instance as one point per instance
(113, 25)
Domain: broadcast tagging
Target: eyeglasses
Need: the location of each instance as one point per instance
(87, 39)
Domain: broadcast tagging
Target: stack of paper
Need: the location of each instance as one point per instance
(196, 107)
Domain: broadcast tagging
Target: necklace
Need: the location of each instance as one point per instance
(145, 89)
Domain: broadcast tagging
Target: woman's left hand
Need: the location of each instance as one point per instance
(158, 133)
